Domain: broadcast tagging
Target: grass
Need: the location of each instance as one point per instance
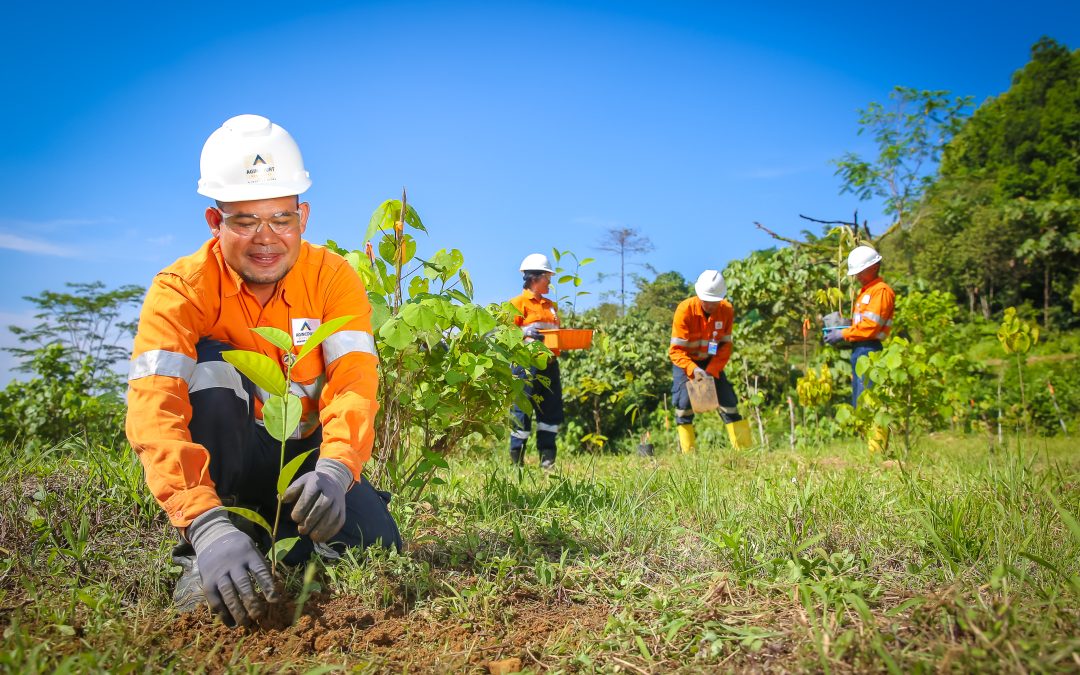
(964, 557)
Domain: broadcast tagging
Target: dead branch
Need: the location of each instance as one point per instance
(774, 235)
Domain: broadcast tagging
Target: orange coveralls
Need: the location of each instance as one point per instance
(692, 330)
(199, 296)
(871, 313)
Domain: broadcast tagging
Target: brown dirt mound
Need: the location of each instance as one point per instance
(337, 630)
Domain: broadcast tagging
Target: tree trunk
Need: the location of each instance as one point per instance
(1046, 296)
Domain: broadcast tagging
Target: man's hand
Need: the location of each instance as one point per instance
(834, 337)
(228, 560)
(320, 499)
(532, 332)
(699, 374)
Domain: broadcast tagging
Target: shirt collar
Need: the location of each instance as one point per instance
(290, 288)
(870, 283)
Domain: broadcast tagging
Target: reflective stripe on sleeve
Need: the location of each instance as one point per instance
(731, 410)
(542, 325)
(346, 342)
(679, 342)
(520, 433)
(726, 338)
(161, 362)
(876, 319)
(217, 375)
(553, 428)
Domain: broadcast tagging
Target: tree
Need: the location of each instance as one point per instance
(624, 242)
(88, 325)
(910, 134)
(657, 299)
(1013, 175)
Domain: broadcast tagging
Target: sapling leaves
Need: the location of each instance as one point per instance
(280, 419)
(285, 478)
(282, 547)
(276, 337)
(321, 333)
(258, 368)
(253, 516)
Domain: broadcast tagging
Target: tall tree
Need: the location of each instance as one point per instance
(87, 323)
(657, 299)
(910, 132)
(625, 242)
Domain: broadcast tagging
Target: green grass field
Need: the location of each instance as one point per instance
(963, 558)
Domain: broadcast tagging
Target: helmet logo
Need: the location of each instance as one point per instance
(259, 169)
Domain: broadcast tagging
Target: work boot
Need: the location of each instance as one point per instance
(686, 437)
(188, 594)
(547, 459)
(517, 457)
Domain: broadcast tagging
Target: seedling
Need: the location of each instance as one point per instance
(281, 413)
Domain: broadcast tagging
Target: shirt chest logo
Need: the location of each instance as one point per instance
(866, 299)
(302, 330)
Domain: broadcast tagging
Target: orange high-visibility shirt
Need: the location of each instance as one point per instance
(871, 313)
(536, 310)
(692, 331)
(199, 296)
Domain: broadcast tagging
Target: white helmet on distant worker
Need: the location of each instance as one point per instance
(536, 262)
(248, 158)
(860, 258)
(710, 286)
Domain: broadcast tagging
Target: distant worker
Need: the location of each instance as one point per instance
(197, 423)
(871, 314)
(700, 349)
(544, 387)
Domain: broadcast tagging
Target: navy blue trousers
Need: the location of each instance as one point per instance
(547, 408)
(244, 465)
(859, 384)
(680, 398)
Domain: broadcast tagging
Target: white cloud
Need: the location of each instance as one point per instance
(14, 242)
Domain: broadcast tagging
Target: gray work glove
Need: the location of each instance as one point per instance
(531, 331)
(320, 499)
(228, 560)
(834, 337)
(700, 374)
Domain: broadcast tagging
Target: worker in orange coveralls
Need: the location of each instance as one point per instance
(871, 314)
(196, 422)
(537, 313)
(700, 349)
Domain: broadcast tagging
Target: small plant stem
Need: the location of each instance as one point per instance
(1023, 397)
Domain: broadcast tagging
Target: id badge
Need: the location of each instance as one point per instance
(713, 346)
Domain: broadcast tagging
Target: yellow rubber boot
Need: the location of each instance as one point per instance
(878, 440)
(739, 433)
(686, 437)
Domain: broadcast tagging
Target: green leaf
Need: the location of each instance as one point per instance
(324, 331)
(258, 368)
(454, 377)
(253, 516)
(412, 217)
(397, 334)
(285, 478)
(466, 283)
(387, 249)
(276, 337)
(282, 547)
(418, 285)
(586, 261)
(274, 412)
(379, 219)
(565, 278)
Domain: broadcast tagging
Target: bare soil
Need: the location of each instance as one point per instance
(337, 630)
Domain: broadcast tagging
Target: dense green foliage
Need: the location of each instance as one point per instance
(1001, 224)
(70, 355)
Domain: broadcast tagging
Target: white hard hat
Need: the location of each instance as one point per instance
(710, 286)
(860, 258)
(536, 262)
(248, 158)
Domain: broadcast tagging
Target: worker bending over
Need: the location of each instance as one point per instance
(871, 314)
(700, 348)
(542, 386)
(196, 422)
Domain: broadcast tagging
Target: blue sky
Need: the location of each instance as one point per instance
(515, 126)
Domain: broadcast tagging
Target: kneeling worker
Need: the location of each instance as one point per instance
(700, 348)
(196, 422)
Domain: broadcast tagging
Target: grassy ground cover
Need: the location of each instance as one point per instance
(964, 557)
